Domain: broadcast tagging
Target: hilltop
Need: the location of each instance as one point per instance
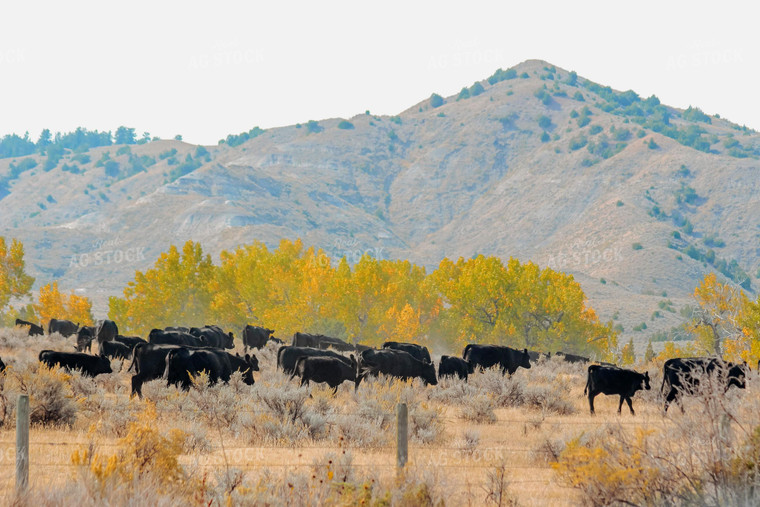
(636, 199)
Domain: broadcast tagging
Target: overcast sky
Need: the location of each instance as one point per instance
(208, 69)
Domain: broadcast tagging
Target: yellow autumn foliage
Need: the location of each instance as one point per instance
(294, 288)
(143, 451)
(52, 304)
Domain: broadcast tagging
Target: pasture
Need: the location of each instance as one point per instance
(489, 441)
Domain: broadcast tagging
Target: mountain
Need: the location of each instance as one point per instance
(636, 199)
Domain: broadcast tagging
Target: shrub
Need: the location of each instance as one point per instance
(544, 122)
(111, 168)
(436, 101)
(502, 75)
(577, 143)
(51, 398)
(595, 129)
(345, 125)
(313, 127)
(545, 138)
(637, 246)
(478, 409)
(696, 115)
(544, 96)
(464, 94)
(651, 144)
(476, 89)
(144, 451)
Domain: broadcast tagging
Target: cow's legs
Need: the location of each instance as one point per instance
(591, 401)
(673, 395)
(630, 404)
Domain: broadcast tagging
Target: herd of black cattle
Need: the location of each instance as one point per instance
(175, 354)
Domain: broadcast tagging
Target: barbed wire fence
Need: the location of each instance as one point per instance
(252, 457)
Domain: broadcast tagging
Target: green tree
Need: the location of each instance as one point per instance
(436, 100)
(125, 135)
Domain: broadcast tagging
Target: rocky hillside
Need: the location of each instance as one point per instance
(638, 200)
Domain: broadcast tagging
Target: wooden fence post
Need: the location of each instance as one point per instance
(22, 444)
(402, 436)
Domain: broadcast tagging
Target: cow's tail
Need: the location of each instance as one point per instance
(279, 355)
(295, 367)
(135, 350)
(466, 349)
(664, 376)
(588, 377)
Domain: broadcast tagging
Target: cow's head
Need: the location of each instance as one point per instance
(525, 359)
(104, 364)
(737, 375)
(230, 341)
(253, 361)
(645, 381)
(428, 372)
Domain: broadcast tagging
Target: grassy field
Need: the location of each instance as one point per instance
(491, 440)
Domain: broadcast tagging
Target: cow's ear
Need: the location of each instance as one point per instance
(525, 351)
(248, 357)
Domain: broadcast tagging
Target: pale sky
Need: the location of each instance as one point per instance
(208, 69)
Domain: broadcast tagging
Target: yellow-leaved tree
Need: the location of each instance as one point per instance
(52, 304)
(176, 291)
(717, 320)
(14, 282)
(519, 305)
(370, 298)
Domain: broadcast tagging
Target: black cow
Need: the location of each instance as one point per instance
(115, 350)
(89, 365)
(417, 351)
(34, 329)
(64, 327)
(255, 337)
(129, 341)
(451, 365)
(535, 356)
(320, 341)
(183, 362)
(396, 363)
(572, 358)
(614, 380)
(682, 375)
(106, 331)
(287, 355)
(214, 336)
(246, 364)
(322, 369)
(149, 363)
(217, 363)
(161, 337)
(181, 329)
(486, 356)
(85, 335)
(2, 366)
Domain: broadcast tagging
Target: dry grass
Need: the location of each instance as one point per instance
(487, 441)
